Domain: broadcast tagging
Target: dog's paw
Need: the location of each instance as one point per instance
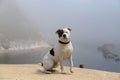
(47, 72)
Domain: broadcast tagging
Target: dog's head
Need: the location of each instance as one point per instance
(64, 34)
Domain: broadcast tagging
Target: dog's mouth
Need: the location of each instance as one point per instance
(65, 38)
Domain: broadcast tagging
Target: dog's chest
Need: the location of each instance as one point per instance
(63, 51)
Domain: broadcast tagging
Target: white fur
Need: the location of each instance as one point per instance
(62, 52)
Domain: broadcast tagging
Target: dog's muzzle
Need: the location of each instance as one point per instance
(64, 36)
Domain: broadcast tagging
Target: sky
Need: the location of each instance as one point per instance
(90, 20)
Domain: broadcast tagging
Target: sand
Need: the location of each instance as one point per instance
(34, 72)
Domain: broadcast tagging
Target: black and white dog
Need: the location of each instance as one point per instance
(62, 51)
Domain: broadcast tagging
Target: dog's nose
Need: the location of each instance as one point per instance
(64, 35)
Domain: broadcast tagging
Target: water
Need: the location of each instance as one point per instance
(28, 52)
(27, 31)
(92, 58)
(31, 52)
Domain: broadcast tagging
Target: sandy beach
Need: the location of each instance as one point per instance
(34, 72)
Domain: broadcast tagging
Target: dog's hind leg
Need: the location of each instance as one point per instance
(48, 65)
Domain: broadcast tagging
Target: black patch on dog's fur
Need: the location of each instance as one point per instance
(52, 52)
(60, 32)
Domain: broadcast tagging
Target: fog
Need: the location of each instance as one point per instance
(33, 22)
(94, 21)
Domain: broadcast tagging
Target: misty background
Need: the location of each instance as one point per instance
(27, 31)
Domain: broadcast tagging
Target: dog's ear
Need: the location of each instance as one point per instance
(69, 29)
(58, 31)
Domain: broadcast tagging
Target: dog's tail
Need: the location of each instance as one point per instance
(41, 64)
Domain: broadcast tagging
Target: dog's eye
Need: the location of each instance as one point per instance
(66, 32)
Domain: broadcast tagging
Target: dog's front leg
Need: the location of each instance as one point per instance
(61, 65)
(71, 64)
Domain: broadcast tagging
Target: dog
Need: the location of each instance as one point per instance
(62, 51)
